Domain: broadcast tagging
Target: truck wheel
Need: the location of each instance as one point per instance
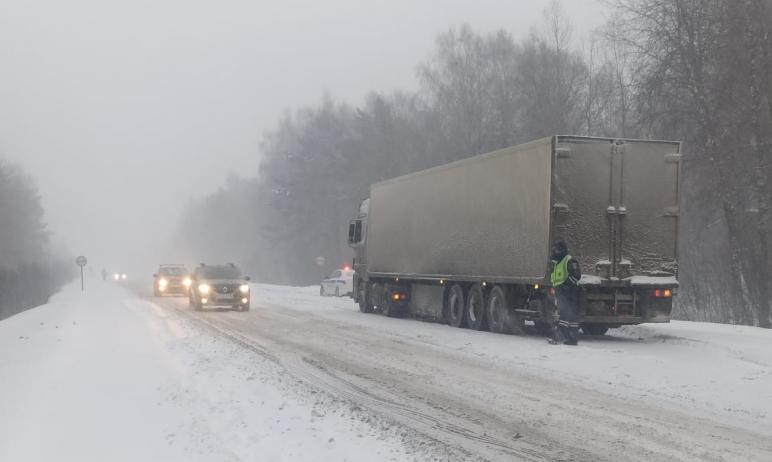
(475, 308)
(498, 314)
(455, 306)
(364, 300)
(337, 291)
(594, 330)
(501, 318)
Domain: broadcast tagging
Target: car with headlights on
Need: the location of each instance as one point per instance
(119, 277)
(219, 286)
(340, 283)
(171, 279)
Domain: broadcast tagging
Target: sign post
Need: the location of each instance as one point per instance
(81, 261)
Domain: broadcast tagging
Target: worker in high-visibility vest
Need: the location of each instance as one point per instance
(565, 277)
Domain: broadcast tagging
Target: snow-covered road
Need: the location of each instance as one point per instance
(116, 377)
(684, 391)
(106, 376)
(717, 371)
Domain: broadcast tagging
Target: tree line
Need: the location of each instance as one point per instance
(29, 274)
(691, 70)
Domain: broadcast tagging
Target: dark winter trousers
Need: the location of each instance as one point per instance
(568, 329)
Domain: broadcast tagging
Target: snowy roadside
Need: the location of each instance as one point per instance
(107, 376)
(717, 371)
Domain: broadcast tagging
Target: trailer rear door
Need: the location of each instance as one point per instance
(648, 221)
(616, 204)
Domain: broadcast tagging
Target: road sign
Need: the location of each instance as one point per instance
(81, 261)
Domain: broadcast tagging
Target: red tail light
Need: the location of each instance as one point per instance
(662, 293)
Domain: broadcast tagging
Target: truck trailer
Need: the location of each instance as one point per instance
(469, 242)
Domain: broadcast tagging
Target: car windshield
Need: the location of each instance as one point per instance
(173, 271)
(221, 272)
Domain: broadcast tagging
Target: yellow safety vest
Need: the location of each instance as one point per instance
(560, 272)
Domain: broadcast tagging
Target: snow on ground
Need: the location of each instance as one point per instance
(718, 371)
(105, 376)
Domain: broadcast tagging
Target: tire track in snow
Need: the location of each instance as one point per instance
(445, 429)
(585, 425)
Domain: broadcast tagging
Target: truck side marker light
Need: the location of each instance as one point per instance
(442, 281)
(536, 286)
(484, 284)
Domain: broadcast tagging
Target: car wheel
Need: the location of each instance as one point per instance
(196, 305)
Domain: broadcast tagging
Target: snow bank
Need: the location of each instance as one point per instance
(718, 371)
(104, 376)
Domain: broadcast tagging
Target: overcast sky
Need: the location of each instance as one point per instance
(125, 110)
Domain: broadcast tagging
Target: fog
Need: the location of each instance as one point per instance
(125, 111)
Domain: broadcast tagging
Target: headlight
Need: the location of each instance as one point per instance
(203, 288)
(116, 276)
(162, 282)
(187, 282)
(244, 288)
(123, 276)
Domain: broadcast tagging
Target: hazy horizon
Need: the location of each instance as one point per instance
(122, 113)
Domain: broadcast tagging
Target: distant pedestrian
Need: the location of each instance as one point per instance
(565, 277)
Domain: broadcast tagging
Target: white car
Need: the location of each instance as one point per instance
(340, 283)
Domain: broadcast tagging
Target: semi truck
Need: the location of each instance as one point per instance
(468, 243)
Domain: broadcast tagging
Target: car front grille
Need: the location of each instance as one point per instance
(226, 289)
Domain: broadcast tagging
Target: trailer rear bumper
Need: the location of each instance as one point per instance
(616, 321)
(626, 304)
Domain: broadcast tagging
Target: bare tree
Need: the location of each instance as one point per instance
(698, 70)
